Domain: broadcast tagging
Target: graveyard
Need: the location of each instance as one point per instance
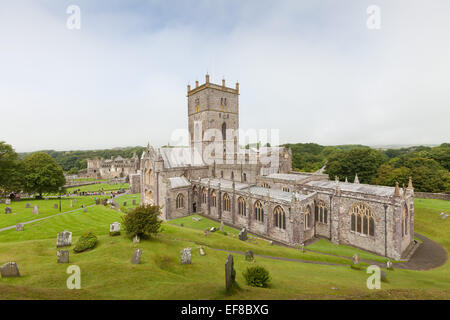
(118, 268)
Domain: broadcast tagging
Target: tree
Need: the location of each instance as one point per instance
(143, 221)
(9, 169)
(362, 161)
(41, 174)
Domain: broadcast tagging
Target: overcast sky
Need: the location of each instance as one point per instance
(312, 69)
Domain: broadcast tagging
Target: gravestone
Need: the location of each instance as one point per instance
(302, 247)
(19, 227)
(35, 210)
(186, 256)
(136, 239)
(383, 276)
(136, 259)
(206, 232)
(181, 224)
(249, 255)
(134, 202)
(85, 209)
(355, 259)
(8, 201)
(46, 198)
(389, 265)
(243, 234)
(64, 239)
(97, 201)
(271, 242)
(10, 269)
(27, 205)
(71, 203)
(445, 216)
(230, 273)
(75, 200)
(124, 203)
(221, 226)
(55, 206)
(196, 218)
(63, 256)
(8, 210)
(213, 229)
(114, 229)
(202, 252)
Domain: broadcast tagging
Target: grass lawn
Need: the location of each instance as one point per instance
(129, 199)
(100, 187)
(106, 271)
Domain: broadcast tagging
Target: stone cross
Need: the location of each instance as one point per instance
(186, 256)
(114, 229)
(10, 269)
(136, 239)
(230, 273)
(249, 255)
(136, 259)
(243, 234)
(8, 210)
(35, 210)
(64, 239)
(355, 259)
(63, 256)
(19, 227)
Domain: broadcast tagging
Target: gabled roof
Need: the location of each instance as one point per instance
(179, 182)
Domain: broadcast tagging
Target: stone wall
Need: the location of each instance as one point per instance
(429, 195)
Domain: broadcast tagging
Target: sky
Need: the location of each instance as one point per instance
(312, 69)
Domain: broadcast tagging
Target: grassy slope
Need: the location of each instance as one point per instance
(100, 187)
(108, 274)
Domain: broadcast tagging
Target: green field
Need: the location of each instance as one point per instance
(100, 187)
(107, 273)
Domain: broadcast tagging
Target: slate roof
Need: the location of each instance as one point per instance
(179, 157)
(178, 182)
(381, 191)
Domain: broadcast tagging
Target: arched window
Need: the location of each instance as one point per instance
(180, 201)
(232, 175)
(279, 218)
(241, 207)
(362, 219)
(203, 195)
(244, 177)
(224, 131)
(213, 199)
(259, 211)
(226, 202)
(285, 189)
(405, 221)
(265, 185)
(307, 217)
(321, 212)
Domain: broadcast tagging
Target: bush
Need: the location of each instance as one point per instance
(87, 241)
(143, 221)
(257, 276)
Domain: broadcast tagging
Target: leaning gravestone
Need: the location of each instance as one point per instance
(136, 259)
(196, 218)
(221, 226)
(230, 273)
(55, 206)
(63, 256)
(355, 259)
(114, 229)
(136, 239)
(186, 256)
(10, 269)
(8, 210)
(202, 252)
(243, 234)
(35, 210)
(27, 205)
(64, 239)
(19, 227)
(8, 201)
(249, 255)
(134, 202)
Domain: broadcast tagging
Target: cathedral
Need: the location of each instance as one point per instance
(256, 188)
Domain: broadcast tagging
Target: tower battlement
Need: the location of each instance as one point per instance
(211, 85)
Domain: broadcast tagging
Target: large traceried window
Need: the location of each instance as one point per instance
(307, 217)
(226, 202)
(204, 195)
(362, 219)
(321, 212)
(241, 207)
(213, 199)
(259, 211)
(279, 217)
(180, 201)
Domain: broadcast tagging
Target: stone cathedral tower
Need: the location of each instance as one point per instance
(212, 106)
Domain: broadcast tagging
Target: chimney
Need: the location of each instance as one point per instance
(207, 78)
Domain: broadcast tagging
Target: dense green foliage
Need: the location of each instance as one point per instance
(41, 174)
(10, 169)
(87, 241)
(257, 276)
(73, 161)
(143, 221)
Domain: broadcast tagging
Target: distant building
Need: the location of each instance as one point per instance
(116, 167)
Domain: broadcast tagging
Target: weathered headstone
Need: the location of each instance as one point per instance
(445, 216)
(10, 269)
(181, 224)
(84, 209)
(230, 273)
(63, 256)
(206, 232)
(389, 265)
(97, 201)
(186, 256)
(243, 234)
(46, 198)
(55, 206)
(355, 259)
(114, 229)
(196, 218)
(136, 259)
(8, 201)
(271, 242)
(134, 202)
(19, 227)
(213, 229)
(221, 226)
(8, 210)
(202, 252)
(124, 203)
(71, 203)
(302, 247)
(383, 276)
(64, 239)
(249, 255)
(136, 239)
(27, 205)
(35, 210)
(75, 200)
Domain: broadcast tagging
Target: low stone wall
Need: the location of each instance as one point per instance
(429, 195)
